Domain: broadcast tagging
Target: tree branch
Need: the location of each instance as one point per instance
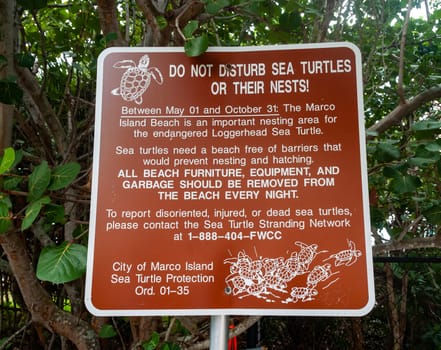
(35, 99)
(109, 21)
(7, 39)
(404, 110)
(402, 51)
(150, 14)
(328, 16)
(410, 244)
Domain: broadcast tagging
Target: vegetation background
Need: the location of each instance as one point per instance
(48, 53)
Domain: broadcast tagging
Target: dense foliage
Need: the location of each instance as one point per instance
(48, 53)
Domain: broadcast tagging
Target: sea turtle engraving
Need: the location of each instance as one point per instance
(136, 79)
(347, 257)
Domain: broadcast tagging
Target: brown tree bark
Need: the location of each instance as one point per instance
(397, 308)
(109, 21)
(7, 40)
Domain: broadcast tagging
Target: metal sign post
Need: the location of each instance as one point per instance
(219, 332)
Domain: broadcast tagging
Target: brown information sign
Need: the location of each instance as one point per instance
(230, 183)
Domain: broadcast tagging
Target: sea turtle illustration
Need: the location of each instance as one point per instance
(136, 79)
(347, 257)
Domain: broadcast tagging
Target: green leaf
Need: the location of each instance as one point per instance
(170, 346)
(386, 152)
(32, 212)
(7, 160)
(426, 125)
(54, 213)
(190, 28)
(215, 6)
(162, 22)
(4, 198)
(18, 157)
(290, 21)
(391, 172)
(25, 60)
(11, 183)
(107, 331)
(63, 263)
(421, 162)
(63, 175)
(10, 92)
(153, 343)
(5, 218)
(433, 214)
(405, 184)
(434, 146)
(39, 181)
(196, 46)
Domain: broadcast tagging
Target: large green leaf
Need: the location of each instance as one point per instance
(427, 125)
(386, 152)
(7, 160)
(5, 218)
(190, 28)
(214, 6)
(32, 212)
(421, 162)
(63, 175)
(63, 263)
(391, 172)
(196, 46)
(433, 214)
(39, 181)
(405, 184)
(434, 146)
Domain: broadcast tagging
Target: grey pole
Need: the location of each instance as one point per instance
(219, 332)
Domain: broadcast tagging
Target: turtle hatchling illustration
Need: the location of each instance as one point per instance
(136, 79)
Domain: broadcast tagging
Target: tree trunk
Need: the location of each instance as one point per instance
(397, 308)
(7, 11)
(357, 334)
